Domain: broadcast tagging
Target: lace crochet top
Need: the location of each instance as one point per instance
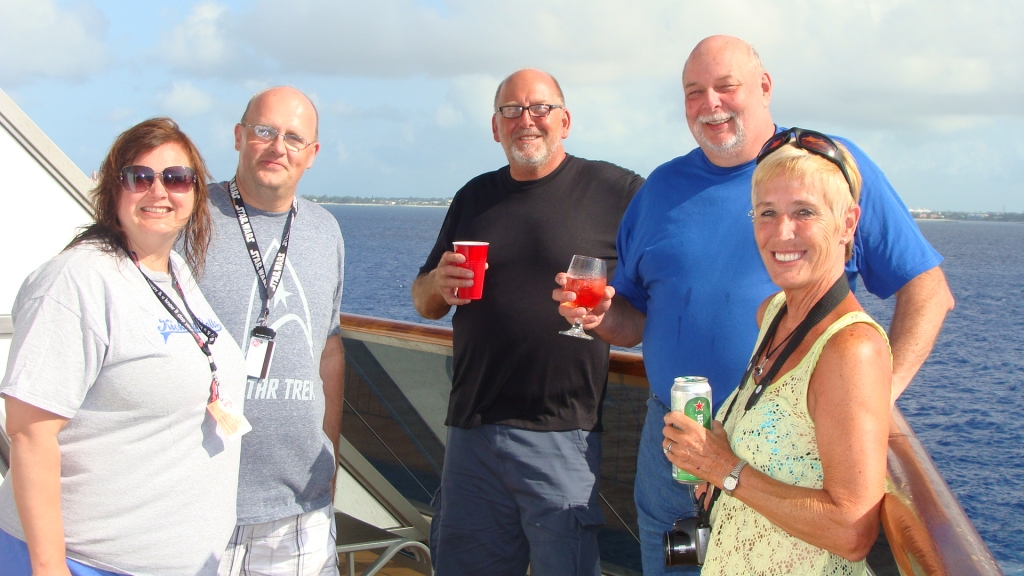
(777, 438)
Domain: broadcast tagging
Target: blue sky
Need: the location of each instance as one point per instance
(932, 90)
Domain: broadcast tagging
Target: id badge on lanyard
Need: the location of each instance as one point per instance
(260, 352)
(231, 422)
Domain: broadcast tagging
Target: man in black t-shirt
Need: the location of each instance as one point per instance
(520, 479)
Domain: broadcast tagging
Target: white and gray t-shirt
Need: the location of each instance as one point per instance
(287, 460)
(147, 486)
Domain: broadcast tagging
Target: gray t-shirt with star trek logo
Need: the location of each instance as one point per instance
(287, 460)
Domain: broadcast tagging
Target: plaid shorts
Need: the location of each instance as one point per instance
(300, 545)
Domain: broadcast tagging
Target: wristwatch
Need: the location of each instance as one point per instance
(733, 479)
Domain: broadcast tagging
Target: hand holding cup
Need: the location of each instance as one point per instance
(587, 278)
(571, 312)
(449, 276)
(459, 275)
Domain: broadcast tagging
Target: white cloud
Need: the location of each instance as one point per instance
(923, 86)
(184, 100)
(875, 62)
(384, 112)
(119, 114)
(448, 116)
(202, 43)
(883, 63)
(468, 98)
(342, 108)
(40, 39)
(395, 38)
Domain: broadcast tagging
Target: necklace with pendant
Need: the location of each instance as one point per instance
(759, 369)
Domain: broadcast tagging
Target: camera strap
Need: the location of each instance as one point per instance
(822, 308)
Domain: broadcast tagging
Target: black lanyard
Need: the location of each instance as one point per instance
(270, 284)
(211, 335)
(822, 308)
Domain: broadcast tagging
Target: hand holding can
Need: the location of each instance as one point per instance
(691, 395)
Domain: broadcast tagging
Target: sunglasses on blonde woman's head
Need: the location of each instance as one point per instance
(176, 179)
(811, 141)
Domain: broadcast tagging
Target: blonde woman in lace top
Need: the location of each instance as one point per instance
(807, 499)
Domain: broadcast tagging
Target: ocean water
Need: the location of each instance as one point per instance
(965, 404)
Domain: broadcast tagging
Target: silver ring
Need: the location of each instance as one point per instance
(668, 448)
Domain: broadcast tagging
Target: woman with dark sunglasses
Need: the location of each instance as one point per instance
(118, 384)
(797, 472)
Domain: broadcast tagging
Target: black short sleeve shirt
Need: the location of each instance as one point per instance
(511, 365)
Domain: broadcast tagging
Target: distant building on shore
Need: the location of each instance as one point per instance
(373, 200)
(926, 214)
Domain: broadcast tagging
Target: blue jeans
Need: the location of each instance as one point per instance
(659, 498)
(14, 560)
(510, 498)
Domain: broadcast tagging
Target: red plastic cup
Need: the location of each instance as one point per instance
(476, 260)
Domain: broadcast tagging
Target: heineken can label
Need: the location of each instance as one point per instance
(691, 395)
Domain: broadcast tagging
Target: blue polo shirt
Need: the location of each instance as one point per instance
(688, 260)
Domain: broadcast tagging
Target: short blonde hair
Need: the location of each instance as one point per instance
(795, 163)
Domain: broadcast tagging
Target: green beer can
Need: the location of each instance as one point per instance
(691, 395)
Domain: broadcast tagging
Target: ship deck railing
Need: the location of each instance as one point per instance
(397, 381)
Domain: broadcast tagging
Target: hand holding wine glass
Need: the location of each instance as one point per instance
(587, 278)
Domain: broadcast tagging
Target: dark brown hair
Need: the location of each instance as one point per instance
(107, 231)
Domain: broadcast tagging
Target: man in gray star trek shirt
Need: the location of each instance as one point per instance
(285, 521)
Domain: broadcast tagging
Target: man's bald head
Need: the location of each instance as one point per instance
(283, 92)
(532, 144)
(536, 75)
(714, 45)
(727, 95)
(269, 169)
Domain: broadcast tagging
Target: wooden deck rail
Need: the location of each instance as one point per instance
(927, 529)
(420, 336)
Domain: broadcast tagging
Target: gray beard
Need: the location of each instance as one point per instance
(730, 147)
(522, 159)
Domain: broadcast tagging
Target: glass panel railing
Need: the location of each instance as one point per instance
(398, 379)
(623, 414)
(385, 425)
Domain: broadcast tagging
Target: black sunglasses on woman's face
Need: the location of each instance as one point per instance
(176, 179)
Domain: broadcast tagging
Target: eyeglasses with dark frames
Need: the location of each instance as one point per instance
(814, 142)
(293, 142)
(176, 179)
(536, 110)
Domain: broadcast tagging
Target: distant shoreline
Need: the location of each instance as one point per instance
(375, 201)
(958, 216)
(380, 205)
(988, 220)
(919, 215)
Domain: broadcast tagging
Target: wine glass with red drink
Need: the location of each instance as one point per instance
(587, 278)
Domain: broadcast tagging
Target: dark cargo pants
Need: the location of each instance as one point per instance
(511, 497)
